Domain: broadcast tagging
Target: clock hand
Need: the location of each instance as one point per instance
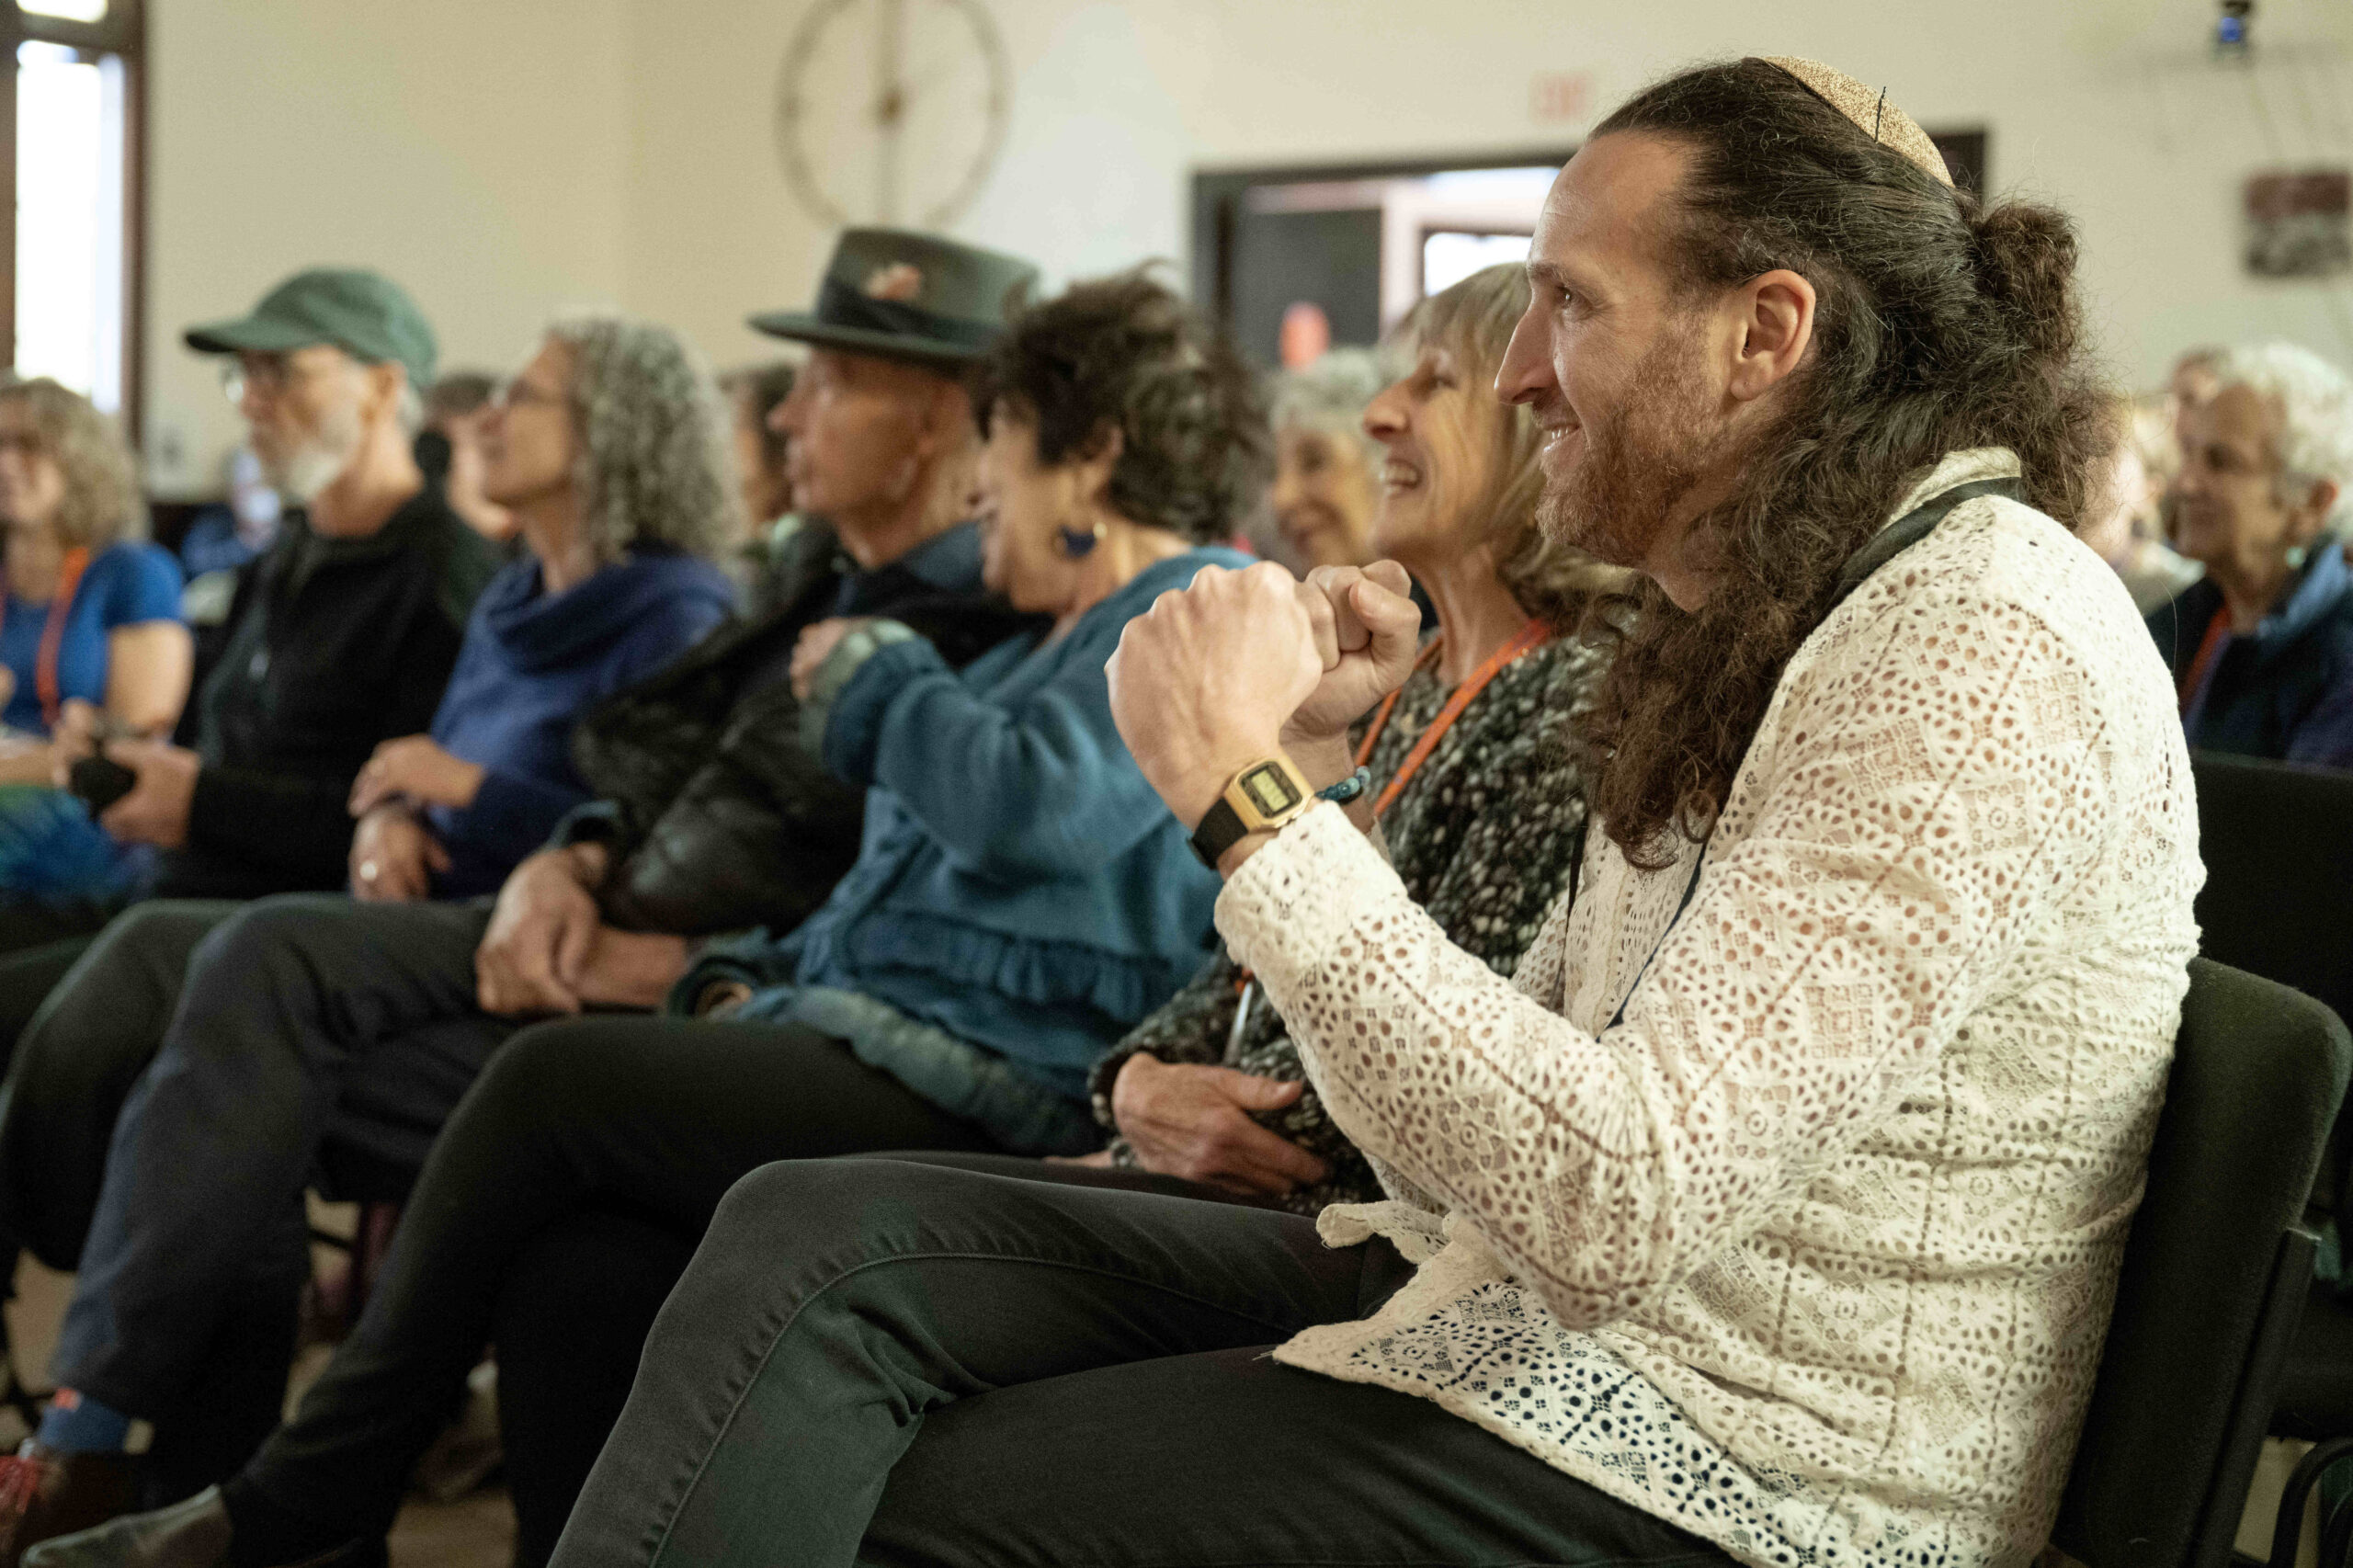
(890, 106)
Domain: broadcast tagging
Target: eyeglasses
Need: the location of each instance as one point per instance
(268, 374)
(516, 393)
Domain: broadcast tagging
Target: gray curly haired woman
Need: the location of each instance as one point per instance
(653, 454)
(610, 450)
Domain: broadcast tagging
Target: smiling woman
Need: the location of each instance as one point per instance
(1324, 491)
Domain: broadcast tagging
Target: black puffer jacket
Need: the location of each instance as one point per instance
(718, 820)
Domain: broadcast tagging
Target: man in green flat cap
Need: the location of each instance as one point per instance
(340, 637)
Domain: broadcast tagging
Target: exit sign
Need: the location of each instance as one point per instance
(1560, 94)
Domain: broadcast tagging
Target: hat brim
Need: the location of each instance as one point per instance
(932, 353)
(251, 334)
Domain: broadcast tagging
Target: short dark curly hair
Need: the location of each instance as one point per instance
(1125, 353)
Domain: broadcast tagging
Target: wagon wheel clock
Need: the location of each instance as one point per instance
(893, 111)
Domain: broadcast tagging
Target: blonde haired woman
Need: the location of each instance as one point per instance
(90, 628)
(91, 644)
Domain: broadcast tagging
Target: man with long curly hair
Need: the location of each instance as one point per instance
(1773, 1211)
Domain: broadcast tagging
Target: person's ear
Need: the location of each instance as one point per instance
(1091, 470)
(2310, 520)
(385, 380)
(1773, 327)
(948, 425)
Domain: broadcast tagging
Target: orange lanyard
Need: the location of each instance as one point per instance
(52, 632)
(2208, 646)
(1529, 638)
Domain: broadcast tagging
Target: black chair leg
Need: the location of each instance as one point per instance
(2289, 1523)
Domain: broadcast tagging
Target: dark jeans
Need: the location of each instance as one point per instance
(574, 1315)
(38, 944)
(653, 1118)
(571, 1323)
(24, 926)
(888, 1362)
(300, 1019)
(77, 1059)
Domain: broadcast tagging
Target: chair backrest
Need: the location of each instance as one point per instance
(2214, 1276)
(2277, 843)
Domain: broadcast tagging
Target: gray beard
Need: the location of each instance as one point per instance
(319, 461)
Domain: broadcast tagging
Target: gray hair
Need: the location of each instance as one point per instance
(1330, 395)
(655, 466)
(2314, 402)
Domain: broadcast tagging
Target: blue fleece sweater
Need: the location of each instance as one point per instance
(2284, 690)
(1019, 885)
(530, 665)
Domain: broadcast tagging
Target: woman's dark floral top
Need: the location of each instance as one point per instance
(1481, 836)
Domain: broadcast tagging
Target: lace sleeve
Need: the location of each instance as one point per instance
(1911, 812)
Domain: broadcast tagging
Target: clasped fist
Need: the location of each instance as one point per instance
(542, 932)
(1219, 673)
(1368, 629)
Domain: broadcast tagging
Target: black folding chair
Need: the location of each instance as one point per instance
(2215, 1274)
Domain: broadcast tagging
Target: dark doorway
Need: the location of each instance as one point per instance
(1331, 260)
(1268, 239)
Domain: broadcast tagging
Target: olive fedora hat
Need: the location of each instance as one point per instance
(904, 295)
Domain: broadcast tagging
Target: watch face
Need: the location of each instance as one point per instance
(1269, 789)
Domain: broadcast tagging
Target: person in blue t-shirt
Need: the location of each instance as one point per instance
(91, 640)
(91, 619)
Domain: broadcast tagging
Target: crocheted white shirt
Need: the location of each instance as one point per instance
(1813, 1255)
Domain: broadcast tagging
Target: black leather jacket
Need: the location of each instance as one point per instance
(716, 817)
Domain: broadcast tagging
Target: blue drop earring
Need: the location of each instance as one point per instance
(1076, 543)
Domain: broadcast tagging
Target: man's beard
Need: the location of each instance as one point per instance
(1641, 462)
(318, 461)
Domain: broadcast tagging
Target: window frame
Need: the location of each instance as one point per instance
(123, 33)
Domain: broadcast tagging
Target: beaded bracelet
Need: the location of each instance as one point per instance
(1348, 788)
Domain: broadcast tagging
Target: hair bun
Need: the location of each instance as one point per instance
(2026, 259)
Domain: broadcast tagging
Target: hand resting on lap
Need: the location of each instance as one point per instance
(1194, 1121)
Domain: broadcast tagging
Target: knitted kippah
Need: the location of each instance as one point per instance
(1869, 109)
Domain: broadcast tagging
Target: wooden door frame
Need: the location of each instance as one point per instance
(122, 33)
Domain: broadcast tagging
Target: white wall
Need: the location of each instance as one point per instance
(473, 150)
(504, 154)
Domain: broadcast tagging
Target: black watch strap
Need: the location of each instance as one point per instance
(1219, 831)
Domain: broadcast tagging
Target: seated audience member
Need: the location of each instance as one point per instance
(1328, 470)
(763, 469)
(1469, 768)
(1765, 1216)
(449, 450)
(90, 637)
(609, 448)
(340, 637)
(2130, 532)
(224, 536)
(606, 451)
(2262, 648)
(762, 449)
(1021, 901)
(2191, 384)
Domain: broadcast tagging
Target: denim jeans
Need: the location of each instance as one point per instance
(892, 1362)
